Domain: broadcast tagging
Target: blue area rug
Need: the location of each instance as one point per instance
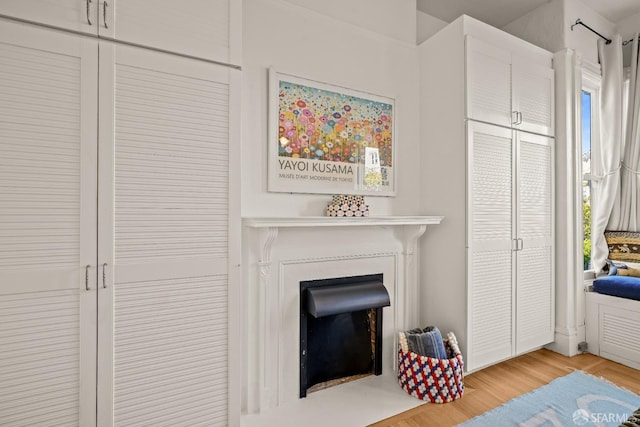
(577, 399)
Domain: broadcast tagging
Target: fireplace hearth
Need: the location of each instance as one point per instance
(340, 330)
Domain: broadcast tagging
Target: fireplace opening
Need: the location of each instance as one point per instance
(340, 330)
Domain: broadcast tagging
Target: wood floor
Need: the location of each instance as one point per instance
(490, 387)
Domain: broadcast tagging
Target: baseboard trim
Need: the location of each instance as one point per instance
(566, 341)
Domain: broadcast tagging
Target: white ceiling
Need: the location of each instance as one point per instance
(501, 12)
(614, 10)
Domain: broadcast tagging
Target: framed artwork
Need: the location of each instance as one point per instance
(329, 139)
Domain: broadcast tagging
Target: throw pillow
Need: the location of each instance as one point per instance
(633, 272)
(614, 266)
(623, 245)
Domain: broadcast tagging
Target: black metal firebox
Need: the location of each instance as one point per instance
(340, 328)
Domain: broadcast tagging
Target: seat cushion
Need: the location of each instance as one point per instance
(618, 286)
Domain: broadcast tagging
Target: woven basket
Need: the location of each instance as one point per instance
(427, 378)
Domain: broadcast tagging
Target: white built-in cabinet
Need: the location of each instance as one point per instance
(509, 242)
(488, 156)
(116, 239)
(204, 29)
(505, 88)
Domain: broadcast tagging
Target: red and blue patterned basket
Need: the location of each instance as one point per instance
(427, 378)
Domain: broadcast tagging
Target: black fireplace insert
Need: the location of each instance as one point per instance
(340, 328)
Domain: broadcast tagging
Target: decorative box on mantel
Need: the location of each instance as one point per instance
(281, 252)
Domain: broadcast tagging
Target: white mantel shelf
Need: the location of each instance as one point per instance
(325, 221)
(409, 227)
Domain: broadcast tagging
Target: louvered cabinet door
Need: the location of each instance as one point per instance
(163, 219)
(204, 29)
(74, 15)
(533, 96)
(535, 305)
(489, 253)
(488, 86)
(48, 115)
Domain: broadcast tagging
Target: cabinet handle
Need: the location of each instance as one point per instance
(514, 120)
(518, 118)
(104, 275)
(86, 277)
(104, 16)
(89, 12)
(518, 245)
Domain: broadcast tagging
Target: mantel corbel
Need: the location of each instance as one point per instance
(267, 236)
(409, 235)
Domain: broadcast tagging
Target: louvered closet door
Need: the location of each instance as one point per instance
(490, 256)
(48, 113)
(488, 83)
(163, 234)
(535, 291)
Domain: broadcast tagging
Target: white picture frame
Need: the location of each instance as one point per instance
(328, 139)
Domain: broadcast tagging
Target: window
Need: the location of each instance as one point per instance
(590, 139)
(586, 118)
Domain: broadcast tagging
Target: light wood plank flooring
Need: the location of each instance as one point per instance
(490, 387)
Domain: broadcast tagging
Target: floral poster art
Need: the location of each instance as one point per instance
(331, 140)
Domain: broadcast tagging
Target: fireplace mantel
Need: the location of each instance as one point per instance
(272, 224)
(275, 291)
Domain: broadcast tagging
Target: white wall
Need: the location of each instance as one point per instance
(549, 27)
(427, 26)
(542, 26)
(629, 26)
(580, 39)
(303, 42)
(373, 15)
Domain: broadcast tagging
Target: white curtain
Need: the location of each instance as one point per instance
(628, 216)
(606, 184)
